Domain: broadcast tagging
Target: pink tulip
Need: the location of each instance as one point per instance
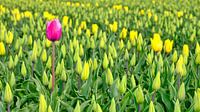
(54, 30)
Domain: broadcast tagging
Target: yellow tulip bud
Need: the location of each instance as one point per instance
(10, 63)
(197, 60)
(94, 28)
(105, 61)
(112, 107)
(49, 61)
(139, 95)
(8, 94)
(149, 59)
(181, 92)
(88, 33)
(23, 69)
(156, 82)
(156, 43)
(2, 49)
(77, 108)
(76, 55)
(85, 72)
(50, 82)
(174, 56)
(44, 55)
(114, 53)
(63, 50)
(172, 68)
(79, 66)
(9, 37)
(123, 33)
(102, 43)
(168, 45)
(123, 84)
(42, 104)
(151, 107)
(109, 77)
(133, 83)
(48, 43)
(139, 42)
(12, 80)
(45, 79)
(49, 109)
(133, 60)
(179, 65)
(185, 50)
(128, 45)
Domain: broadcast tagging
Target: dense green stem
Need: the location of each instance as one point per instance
(53, 64)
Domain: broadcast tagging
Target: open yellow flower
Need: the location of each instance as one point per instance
(168, 45)
(156, 43)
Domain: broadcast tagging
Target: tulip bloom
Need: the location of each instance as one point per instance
(156, 43)
(53, 33)
(168, 45)
(54, 30)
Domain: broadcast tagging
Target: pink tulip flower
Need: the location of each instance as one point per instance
(54, 30)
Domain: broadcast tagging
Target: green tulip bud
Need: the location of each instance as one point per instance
(174, 56)
(20, 52)
(123, 84)
(133, 60)
(76, 55)
(49, 109)
(63, 76)
(50, 82)
(156, 82)
(112, 106)
(139, 95)
(133, 81)
(16, 60)
(126, 56)
(35, 51)
(196, 101)
(79, 66)
(105, 61)
(63, 50)
(109, 77)
(98, 108)
(77, 108)
(149, 59)
(58, 69)
(44, 55)
(128, 45)
(81, 50)
(151, 107)
(23, 69)
(177, 107)
(95, 64)
(197, 60)
(12, 80)
(181, 92)
(49, 61)
(8, 96)
(45, 79)
(10, 63)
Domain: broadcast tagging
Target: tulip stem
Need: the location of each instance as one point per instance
(32, 68)
(179, 81)
(139, 108)
(153, 96)
(53, 64)
(8, 108)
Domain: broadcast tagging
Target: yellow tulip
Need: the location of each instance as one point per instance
(85, 72)
(197, 49)
(42, 104)
(9, 37)
(185, 50)
(168, 45)
(2, 49)
(133, 37)
(156, 43)
(94, 28)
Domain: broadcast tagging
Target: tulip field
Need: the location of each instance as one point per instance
(99, 56)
